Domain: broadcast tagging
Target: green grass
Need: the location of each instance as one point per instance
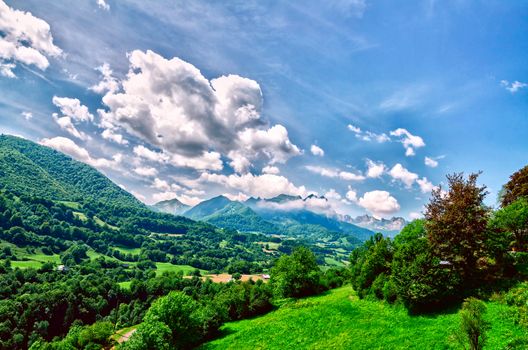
(125, 285)
(127, 250)
(71, 205)
(80, 216)
(26, 264)
(339, 320)
(333, 262)
(163, 267)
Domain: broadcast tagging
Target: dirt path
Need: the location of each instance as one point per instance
(126, 336)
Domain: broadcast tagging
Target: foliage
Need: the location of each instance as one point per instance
(513, 220)
(516, 187)
(296, 275)
(95, 336)
(473, 326)
(456, 225)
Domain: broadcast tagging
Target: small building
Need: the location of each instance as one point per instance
(63, 268)
(445, 263)
(266, 277)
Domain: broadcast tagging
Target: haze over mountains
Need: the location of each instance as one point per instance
(293, 214)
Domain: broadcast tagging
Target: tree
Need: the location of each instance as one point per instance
(513, 219)
(516, 188)
(456, 224)
(473, 327)
(296, 275)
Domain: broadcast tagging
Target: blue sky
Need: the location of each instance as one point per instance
(200, 98)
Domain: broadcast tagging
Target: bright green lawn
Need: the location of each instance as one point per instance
(339, 320)
(162, 267)
(125, 285)
(127, 250)
(26, 264)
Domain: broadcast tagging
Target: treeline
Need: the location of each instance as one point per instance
(461, 248)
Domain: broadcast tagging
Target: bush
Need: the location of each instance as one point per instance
(473, 327)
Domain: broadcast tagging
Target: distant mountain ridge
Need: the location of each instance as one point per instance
(171, 206)
(389, 227)
(283, 214)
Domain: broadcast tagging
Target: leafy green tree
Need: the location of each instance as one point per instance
(296, 275)
(418, 279)
(149, 335)
(513, 219)
(456, 224)
(516, 188)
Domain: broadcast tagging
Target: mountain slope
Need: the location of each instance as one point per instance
(339, 320)
(171, 206)
(31, 169)
(222, 212)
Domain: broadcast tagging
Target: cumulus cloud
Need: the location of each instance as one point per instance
(66, 124)
(317, 151)
(103, 5)
(415, 215)
(374, 169)
(379, 203)
(425, 185)
(171, 106)
(24, 39)
(398, 172)
(205, 161)
(72, 108)
(268, 169)
(27, 115)
(513, 87)
(146, 171)
(69, 147)
(263, 186)
(315, 204)
(110, 135)
(430, 162)
(107, 83)
(368, 135)
(335, 173)
(410, 142)
(351, 195)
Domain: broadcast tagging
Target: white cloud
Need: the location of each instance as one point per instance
(72, 107)
(375, 169)
(263, 186)
(332, 194)
(146, 171)
(108, 134)
(368, 135)
(317, 151)
(335, 173)
(170, 105)
(103, 5)
(430, 162)
(410, 142)
(25, 39)
(354, 129)
(69, 147)
(415, 215)
(107, 83)
(66, 124)
(425, 185)
(513, 87)
(398, 172)
(144, 152)
(351, 195)
(311, 203)
(268, 169)
(205, 161)
(27, 115)
(379, 203)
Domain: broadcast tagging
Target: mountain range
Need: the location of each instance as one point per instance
(283, 214)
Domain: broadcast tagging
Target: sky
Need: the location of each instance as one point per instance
(367, 103)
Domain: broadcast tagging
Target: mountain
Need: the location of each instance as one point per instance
(35, 170)
(223, 212)
(390, 227)
(171, 206)
(268, 216)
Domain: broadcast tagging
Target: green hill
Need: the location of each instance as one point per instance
(339, 320)
(31, 169)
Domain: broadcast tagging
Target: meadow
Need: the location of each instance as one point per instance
(339, 320)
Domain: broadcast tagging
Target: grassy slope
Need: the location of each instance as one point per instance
(338, 320)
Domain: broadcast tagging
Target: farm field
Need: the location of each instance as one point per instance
(339, 320)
